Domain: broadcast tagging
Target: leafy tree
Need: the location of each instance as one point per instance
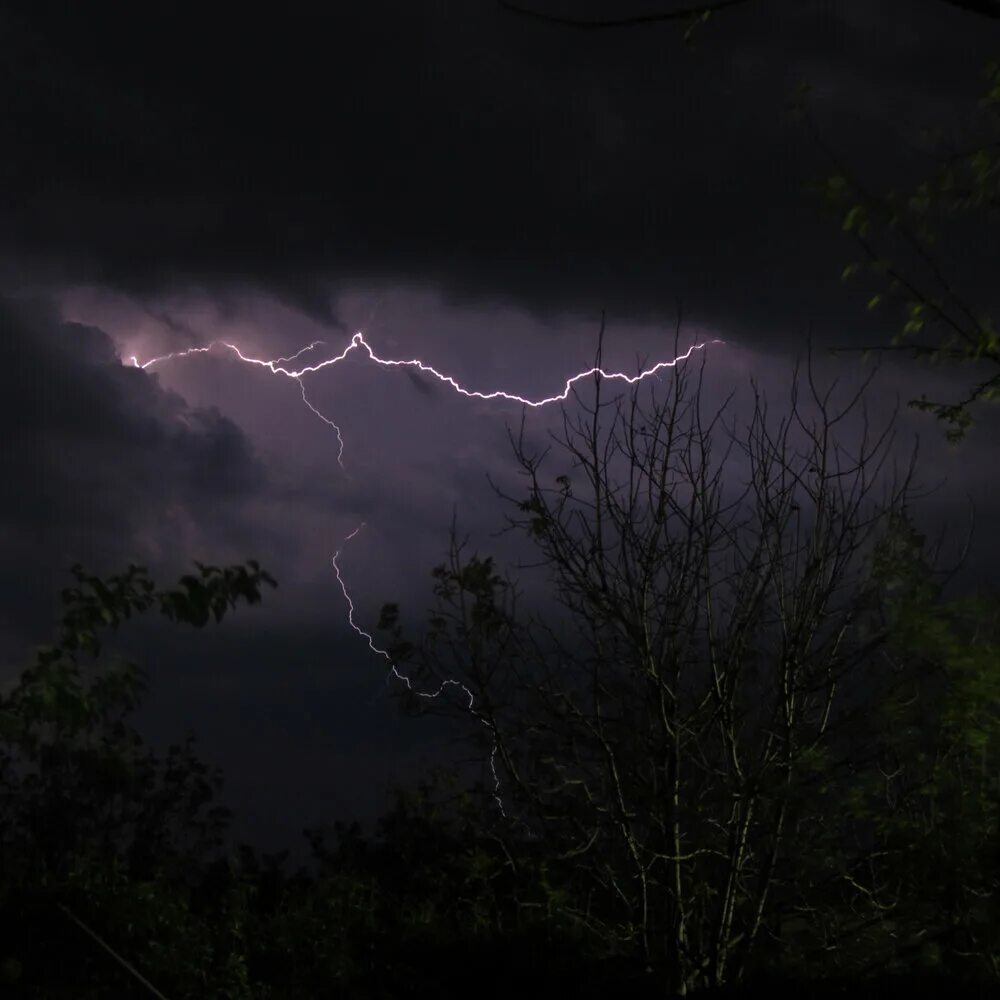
(92, 822)
(896, 233)
(924, 817)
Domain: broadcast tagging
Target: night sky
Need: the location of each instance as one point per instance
(464, 185)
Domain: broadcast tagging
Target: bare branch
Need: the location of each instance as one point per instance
(681, 14)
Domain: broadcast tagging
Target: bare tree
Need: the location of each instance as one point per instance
(660, 727)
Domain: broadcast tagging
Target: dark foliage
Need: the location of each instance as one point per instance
(112, 882)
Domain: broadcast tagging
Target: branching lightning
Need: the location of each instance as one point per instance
(393, 671)
(278, 367)
(358, 342)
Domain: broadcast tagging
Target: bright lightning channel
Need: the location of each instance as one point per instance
(358, 342)
(406, 680)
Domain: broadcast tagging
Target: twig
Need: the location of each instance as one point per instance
(683, 14)
(114, 954)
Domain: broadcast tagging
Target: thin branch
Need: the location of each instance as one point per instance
(985, 8)
(684, 14)
(114, 954)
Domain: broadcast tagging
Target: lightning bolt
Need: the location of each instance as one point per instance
(394, 672)
(358, 343)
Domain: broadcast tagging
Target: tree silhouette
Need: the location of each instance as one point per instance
(92, 823)
(662, 733)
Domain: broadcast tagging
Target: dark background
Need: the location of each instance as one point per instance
(466, 186)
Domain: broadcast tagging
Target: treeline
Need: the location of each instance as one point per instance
(113, 881)
(757, 752)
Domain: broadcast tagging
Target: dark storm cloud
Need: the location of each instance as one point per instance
(102, 464)
(490, 184)
(457, 145)
(422, 383)
(99, 463)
